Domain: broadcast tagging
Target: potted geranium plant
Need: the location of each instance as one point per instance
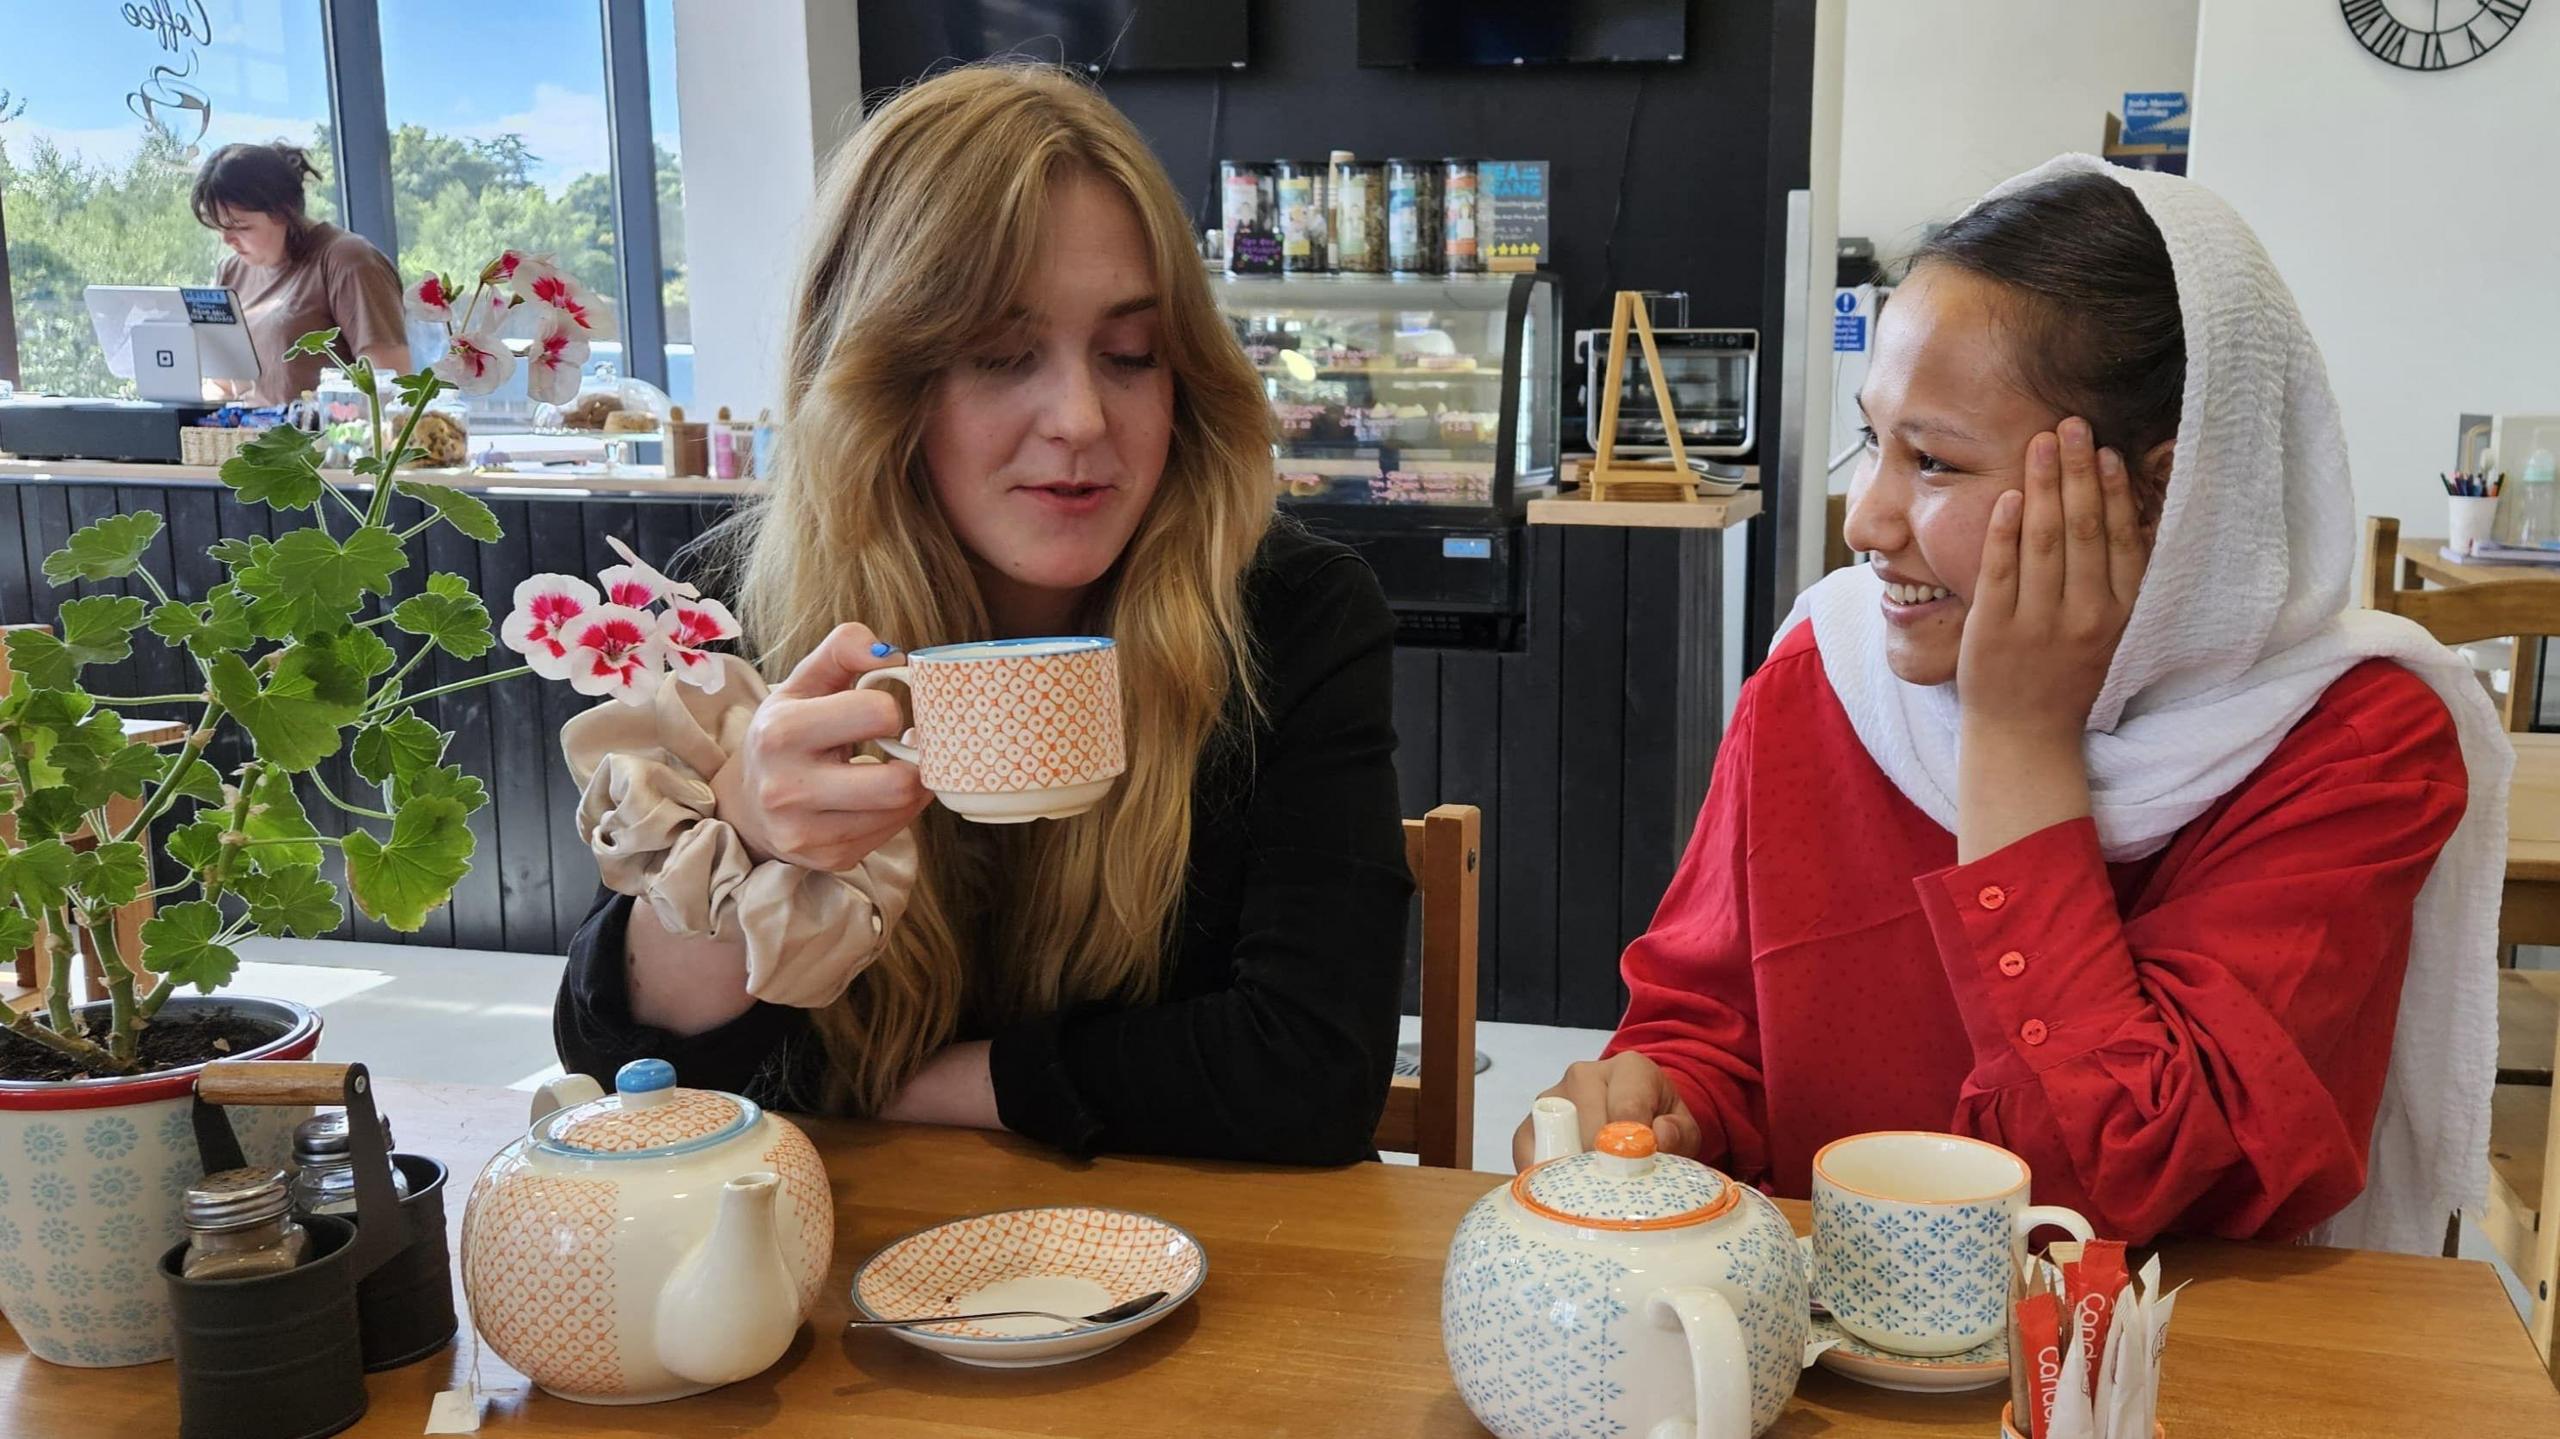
(295, 653)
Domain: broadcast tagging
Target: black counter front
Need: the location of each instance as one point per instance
(1587, 745)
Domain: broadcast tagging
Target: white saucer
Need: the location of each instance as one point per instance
(1068, 1259)
(1977, 1368)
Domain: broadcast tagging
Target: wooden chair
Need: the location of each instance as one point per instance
(2525, 611)
(2522, 1216)
(1434, 1117)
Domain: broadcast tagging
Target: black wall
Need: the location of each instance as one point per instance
(1659, 171)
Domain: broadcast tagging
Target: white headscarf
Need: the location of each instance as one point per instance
(2242, 623)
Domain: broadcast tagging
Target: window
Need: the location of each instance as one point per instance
(662, 125)
(107, 112)
(498, 140)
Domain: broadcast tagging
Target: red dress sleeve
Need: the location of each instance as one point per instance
(1690, 1004)
(2212, 1064)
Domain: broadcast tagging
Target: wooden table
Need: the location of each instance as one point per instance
(1321, 1318)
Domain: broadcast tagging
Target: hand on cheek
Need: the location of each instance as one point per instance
(2062, 562)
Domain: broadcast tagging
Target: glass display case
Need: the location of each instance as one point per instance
(1437, 391)
(1417, 416)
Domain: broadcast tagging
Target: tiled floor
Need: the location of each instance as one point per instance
(476, 1017)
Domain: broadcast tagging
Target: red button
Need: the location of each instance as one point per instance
(1992, 896)
(2033, 1032)
(2013, 964)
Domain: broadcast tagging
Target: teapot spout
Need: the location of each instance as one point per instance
(730, 1308)
(1556, 1127)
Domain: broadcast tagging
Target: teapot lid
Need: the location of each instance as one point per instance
(647, 1117)
(1620, 1183)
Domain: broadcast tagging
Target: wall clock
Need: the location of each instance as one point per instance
(2431, 34)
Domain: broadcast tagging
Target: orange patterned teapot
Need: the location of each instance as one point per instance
(646, 1244)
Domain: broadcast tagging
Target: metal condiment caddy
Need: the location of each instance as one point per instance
(283, 1355)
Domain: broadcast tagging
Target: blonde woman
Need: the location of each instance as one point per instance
(1011, 408)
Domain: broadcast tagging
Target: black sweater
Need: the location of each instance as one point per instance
(1275, 1034)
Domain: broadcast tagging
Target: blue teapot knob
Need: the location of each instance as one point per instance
(644, 1076)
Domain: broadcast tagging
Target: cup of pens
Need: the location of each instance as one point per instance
(2471, 502)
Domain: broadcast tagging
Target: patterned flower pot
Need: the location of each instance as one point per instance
(91, 1172)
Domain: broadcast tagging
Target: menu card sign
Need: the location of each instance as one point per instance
(1516, 192)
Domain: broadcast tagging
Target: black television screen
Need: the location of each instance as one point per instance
(1521, 32)
(1099, 34)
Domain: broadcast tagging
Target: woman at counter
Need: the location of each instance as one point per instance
(1011, 408)
(295, 274)
(2087, 820)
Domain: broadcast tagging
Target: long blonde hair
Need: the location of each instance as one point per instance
(927, 233)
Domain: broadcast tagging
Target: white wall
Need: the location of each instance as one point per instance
(764, 91)
(2416, 216)
(1946, 98)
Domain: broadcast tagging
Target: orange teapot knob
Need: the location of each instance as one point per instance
(1625, 1139)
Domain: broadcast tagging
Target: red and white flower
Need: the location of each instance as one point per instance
(431, 300)
(516, 269)
(636, 583)
(475, 364)
(546, 606)
(687, 626)
(615, 650)
(572, 302)
(552, 368)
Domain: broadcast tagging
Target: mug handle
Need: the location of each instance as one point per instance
(2037, 1216)
(899, 674)
(1719, 1363)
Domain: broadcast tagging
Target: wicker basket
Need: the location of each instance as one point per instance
(211, 445)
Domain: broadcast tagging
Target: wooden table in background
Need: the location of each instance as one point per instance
(1321, 1317)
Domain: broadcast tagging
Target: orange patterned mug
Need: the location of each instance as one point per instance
(1008, 731)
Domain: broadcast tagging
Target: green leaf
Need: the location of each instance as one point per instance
(461, 509)
(200, 781)
(198, 845)
(308, 582)
(111, 874)
(281, 467)
(363, 651)
(400, 882)
(129, 770)
(317, 342)
(275, 813)
(294, 898)
(221, 623)
(97, 630)
(401, 746)
(39, 874)
(17, 932)
(51, 813)
(416, 390)
(444, 781)
(42, 661)
(37, 721)
(109, 549)
(294, 719)
(178, 942)
(232, 554)
(456, 624)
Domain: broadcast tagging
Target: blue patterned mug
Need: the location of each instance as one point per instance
(1913, 1234)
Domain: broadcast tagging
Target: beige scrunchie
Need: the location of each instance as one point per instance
(646, 810)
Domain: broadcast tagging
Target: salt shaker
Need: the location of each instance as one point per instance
(324, 1180)
(240, 1225)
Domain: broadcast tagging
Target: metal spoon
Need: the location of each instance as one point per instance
(1129, 1309)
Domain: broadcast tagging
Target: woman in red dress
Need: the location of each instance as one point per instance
(2086, 819)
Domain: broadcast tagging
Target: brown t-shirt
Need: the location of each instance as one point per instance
(340, 280)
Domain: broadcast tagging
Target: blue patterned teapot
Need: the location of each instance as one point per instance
(1622, 1291)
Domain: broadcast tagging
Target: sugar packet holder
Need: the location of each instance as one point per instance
(2089, 1370)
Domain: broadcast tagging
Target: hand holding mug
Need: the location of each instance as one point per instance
(790, 793)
